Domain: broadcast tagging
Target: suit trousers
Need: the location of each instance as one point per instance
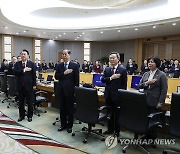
(66, 110)
(113, 125)
(23, 95)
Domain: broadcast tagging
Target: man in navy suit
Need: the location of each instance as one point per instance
(115, 77)
(67, 74)
(25, 72)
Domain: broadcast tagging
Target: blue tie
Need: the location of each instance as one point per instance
(65, 66)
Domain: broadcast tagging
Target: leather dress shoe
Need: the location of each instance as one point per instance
(61, 128)
(20, 119)
(29, 119)
(69, 130)
(108, 132)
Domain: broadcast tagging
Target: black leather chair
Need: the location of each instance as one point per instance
(12, 91)
(3, 80)
(174, 120)
(88, 110)
(134, 115)
(40, 97)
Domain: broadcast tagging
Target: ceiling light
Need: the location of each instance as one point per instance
(101, 32)
(56, 37)
(60, 35)
(24, 31)
(17, 33)
(44, 32)
(5, 27)
(80, 35)
(77, 37)
(136, 29)
(83, 33)
(174, 24)
(154, 27)
(119, 30)
(64, 33)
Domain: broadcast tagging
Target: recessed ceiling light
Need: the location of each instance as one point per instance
(154, 26)
(136, 29)
(64, 33)
(60, 35)
(83, 33)
(174, 24)
(56, 37)
(119, 30)
(5, 27)
(24, 31)
(75, 39)
(80, 35)
(101, 32)
(17, 33)
(44, 32)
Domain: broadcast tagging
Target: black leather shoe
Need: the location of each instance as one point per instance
(29, 119)
(108, 132)
(61, 128)
(69, 130)
(20, 119)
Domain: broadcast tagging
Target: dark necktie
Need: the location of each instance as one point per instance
(23, 64)
(112, 70)
(65, 66)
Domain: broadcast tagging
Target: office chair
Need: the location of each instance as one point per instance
(88, 111)
(3, 80)
(134, 115)
(38, 101)
(40, 77)
(174, 120)
(12, 91)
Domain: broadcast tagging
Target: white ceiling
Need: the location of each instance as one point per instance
(86, 20)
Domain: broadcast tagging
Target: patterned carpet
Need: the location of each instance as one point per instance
(33, 140)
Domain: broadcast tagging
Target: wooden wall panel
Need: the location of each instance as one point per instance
(148, 50)
(176, 50)
(162, 51)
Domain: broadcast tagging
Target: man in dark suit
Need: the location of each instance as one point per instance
(115, 77)
(25, 72)
(11, 65)
(51, 64)
(67, 74)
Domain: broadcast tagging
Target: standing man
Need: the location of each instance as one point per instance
(11, 65)
(25, 72)
(115, 77)
(67, 74)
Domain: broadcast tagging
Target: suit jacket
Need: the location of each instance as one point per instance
(11, 68)
(67, 82)
(156, 93)
(26, 79)
(51, 65)
(112, 86)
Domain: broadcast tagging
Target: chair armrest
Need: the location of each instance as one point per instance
(104, 107)
(152, 115)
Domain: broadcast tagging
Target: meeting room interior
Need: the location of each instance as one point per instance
(99, 76)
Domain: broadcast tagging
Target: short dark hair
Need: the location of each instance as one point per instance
(156, 60)
(117, 54)
(68, 51)
(24, 50)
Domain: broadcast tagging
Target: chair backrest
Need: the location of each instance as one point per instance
(174, 121)
(87, 105)
(133, 111)
(3, 81)
(12, 85)
(49, 78)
